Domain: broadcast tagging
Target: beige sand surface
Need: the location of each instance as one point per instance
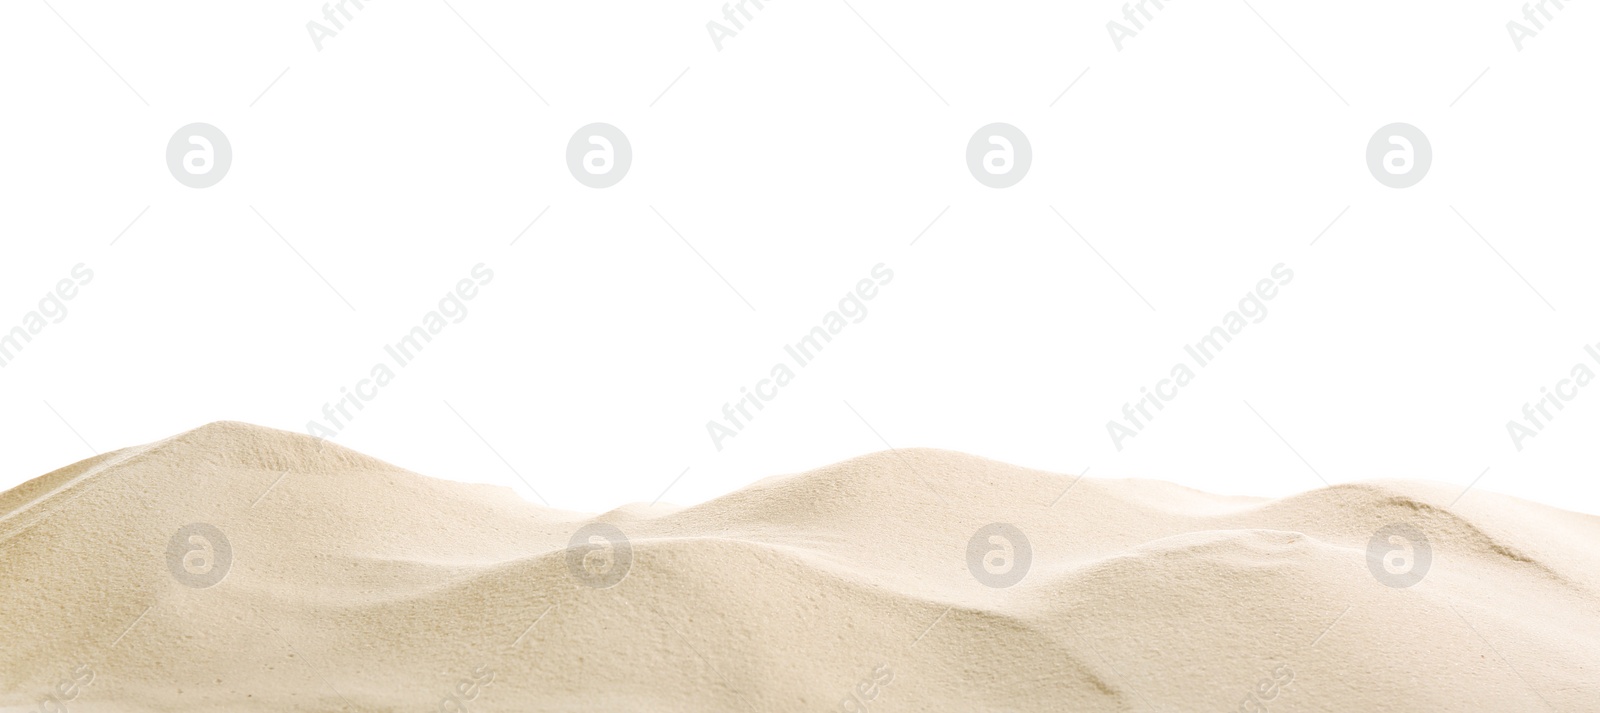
(355, 585)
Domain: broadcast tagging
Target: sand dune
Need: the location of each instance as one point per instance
(238, 568)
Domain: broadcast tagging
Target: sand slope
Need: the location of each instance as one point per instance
(355, 585)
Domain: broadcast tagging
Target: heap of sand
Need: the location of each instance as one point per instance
(241, 568)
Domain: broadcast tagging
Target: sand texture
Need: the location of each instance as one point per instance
(239, 568)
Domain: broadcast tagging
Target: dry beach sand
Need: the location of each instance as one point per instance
(238, 568)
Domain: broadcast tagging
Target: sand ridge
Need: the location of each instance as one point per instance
(241, 568)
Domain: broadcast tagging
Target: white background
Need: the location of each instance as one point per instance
(807, 150)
